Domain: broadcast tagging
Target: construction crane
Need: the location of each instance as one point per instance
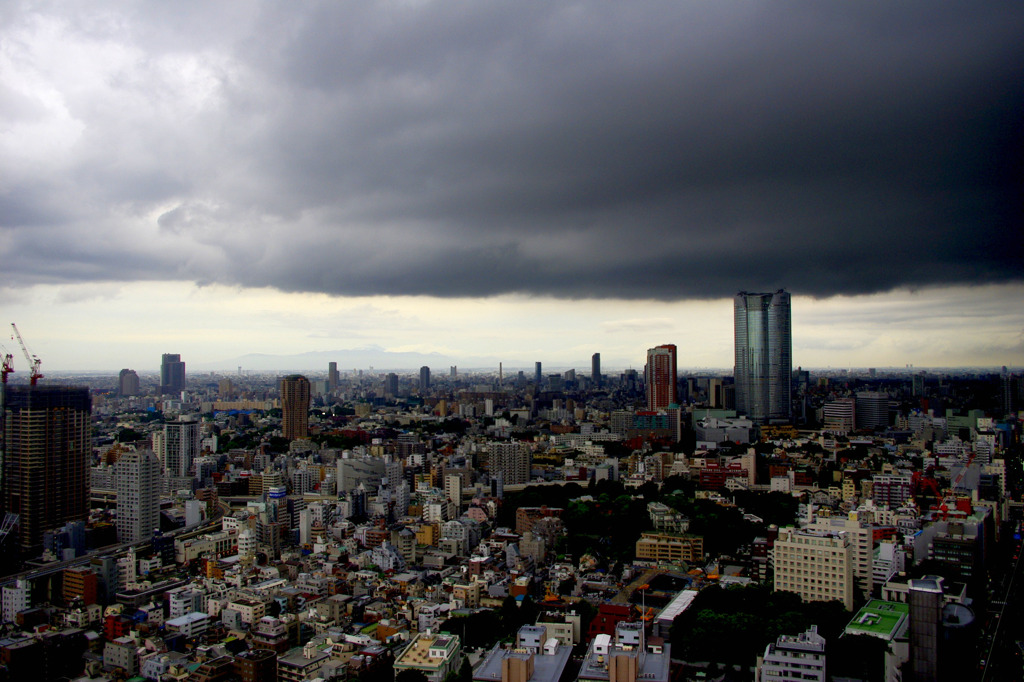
(955, 483)
(8, 367)
(33, 360)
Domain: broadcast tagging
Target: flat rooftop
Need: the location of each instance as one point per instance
(878, 618)
(546, 667)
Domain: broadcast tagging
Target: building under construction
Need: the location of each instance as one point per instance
(44, 471)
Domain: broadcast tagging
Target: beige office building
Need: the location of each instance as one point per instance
(817, 565)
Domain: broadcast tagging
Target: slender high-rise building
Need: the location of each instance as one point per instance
(595, 369)
(172, 374)
(424, 378)
(45, 443)
(137, 477)
(295, 407)
(180, 446)
(537, 374)
(660, 377)
(764, 356)
(333, 378)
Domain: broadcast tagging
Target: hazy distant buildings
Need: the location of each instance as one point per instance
(424, 378)
(172, 374)
(595, 369)
(295, 407)
(127, 383)
(44, 476)
(660, 378)
(764, 355)
(137, 476)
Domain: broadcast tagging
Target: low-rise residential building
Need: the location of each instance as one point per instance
(190, 625)
(434, 655)
(794, 657)
(535, 658)
(669, 548)
(625, 658)
(122, 653)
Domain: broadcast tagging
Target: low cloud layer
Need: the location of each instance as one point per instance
(629, 150)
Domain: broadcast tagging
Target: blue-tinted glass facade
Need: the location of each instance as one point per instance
(764, 356)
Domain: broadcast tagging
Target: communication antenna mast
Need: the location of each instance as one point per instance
(33, 360)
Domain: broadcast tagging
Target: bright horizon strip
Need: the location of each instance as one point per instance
(108, 326)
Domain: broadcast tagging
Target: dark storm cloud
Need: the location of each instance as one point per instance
(648, 150)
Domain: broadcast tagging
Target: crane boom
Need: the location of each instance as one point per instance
(33, 360)
(8, 367)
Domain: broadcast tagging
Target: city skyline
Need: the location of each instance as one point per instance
(511, 182)
(966, 327)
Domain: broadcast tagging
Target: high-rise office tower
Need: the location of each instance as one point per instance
(295, 407)
(46, 445)
(660, 377)
(872, 410)
(764, 356)
(180, 446)
(172, 374)
(424, 378)
(536, 374)
(391, 384)
(137, 476)
(595, 369)
(333, 378)
(925, 628)
(127, 382)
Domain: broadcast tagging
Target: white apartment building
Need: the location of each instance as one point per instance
(794, 657)
(16, 597)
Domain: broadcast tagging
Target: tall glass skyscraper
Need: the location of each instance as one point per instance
(764, 356)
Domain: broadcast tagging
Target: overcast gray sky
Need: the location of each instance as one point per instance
(647, 155)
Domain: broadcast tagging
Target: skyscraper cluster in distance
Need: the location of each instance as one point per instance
(46, 441)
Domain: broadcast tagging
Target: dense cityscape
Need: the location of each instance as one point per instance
(462, 341)
(771, 523)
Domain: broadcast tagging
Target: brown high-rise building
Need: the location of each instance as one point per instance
(45, 444)
(661, 377)
(128, 383)
(295, 407)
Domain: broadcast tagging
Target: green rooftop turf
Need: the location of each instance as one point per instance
(878, 618)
